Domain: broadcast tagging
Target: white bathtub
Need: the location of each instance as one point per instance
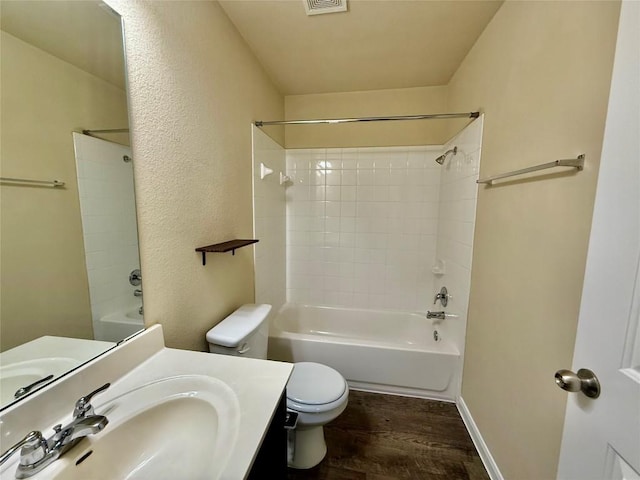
(118, 325)
(383, 351)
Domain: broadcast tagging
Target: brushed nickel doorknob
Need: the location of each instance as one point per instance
(584, 381)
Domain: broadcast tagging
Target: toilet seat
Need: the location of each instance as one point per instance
(313, 387)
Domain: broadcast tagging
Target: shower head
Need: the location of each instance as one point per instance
(440, 160)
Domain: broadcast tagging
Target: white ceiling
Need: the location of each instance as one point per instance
(83, 33)
(377, 44)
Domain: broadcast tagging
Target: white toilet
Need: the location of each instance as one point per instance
(317, 393)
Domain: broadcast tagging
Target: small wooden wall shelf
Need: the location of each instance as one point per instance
(223, 247)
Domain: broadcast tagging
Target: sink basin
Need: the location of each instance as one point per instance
(20, 374)
(179, 427)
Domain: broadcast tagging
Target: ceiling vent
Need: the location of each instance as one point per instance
(316, 7)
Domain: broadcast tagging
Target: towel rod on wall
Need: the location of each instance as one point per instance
(51, 183)
(577, 163)
(435, 116)
(107, 130)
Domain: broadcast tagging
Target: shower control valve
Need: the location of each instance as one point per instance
(443, 296)
(135, 277)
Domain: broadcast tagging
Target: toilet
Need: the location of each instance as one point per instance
(317, 393)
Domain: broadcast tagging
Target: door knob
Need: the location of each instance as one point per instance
(584, 381)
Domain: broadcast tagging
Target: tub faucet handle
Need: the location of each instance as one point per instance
(443, 296)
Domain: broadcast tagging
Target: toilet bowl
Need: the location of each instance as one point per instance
(316, 393)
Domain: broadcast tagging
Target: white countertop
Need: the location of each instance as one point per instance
(257, 384)
(19, 366)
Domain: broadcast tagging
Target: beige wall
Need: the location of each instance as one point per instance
(44, 280)
(374, 103)
(195, 88)
(541, 72)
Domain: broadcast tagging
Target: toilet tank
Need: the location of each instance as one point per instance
(244, 333)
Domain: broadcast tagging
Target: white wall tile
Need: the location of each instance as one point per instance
(455, 226)
(332, 193)
(349, 177)
(365, 177)
(107, 207)
(348, 193)
(373, 206)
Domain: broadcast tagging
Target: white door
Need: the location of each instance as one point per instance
(601, 437)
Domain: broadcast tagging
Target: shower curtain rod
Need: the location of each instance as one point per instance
(436, 116)
(108, 130)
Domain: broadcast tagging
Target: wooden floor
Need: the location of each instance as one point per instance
(383, 437)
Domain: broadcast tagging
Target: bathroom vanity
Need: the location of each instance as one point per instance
(171, 414)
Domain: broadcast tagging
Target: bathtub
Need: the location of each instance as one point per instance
(118, 325)
(380, 351)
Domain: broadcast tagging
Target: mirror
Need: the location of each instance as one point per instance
(71, 283)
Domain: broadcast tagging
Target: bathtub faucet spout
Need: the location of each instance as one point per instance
(438, 315)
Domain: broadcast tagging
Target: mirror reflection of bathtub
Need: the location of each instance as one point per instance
(113, 327)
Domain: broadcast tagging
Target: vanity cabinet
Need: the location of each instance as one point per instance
(271, 460)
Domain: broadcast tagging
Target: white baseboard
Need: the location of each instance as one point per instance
(478, 441)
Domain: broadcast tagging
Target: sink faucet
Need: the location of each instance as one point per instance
(36, 452)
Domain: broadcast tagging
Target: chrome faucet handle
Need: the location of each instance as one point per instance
(443, 296)
(83, 406)
(33, 448)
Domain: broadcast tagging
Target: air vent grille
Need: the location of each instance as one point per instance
(316, 7)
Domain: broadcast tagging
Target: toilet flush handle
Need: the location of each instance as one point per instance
(244, 348)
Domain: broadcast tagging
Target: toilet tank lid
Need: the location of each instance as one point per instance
(239, 325)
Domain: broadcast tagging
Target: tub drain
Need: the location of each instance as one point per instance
(436, 337)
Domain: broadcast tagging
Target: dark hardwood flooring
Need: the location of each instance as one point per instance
(384, 437)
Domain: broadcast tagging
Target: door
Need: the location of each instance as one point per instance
(601, 438)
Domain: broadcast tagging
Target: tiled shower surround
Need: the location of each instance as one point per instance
(361, 226)
(107, 206)
(456, 222)
(365, 227)
(374, 228)
(269, 222)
